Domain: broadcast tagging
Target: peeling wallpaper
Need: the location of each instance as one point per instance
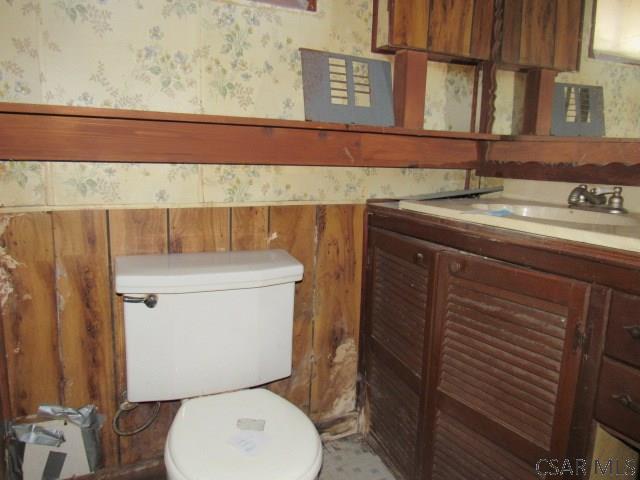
(227, 57)
(7, 262)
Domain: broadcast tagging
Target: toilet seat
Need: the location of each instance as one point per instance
(205, 441)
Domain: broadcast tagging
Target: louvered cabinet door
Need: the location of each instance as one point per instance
(505, 364)
(396, 330)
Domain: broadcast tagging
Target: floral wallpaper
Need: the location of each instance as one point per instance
(228, 57)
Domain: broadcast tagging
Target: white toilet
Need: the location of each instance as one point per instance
(204, 323)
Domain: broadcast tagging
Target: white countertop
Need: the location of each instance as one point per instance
(620, 231)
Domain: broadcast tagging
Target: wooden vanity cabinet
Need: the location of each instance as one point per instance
(500, 340)
(485, 350)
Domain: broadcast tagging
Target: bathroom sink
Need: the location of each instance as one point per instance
(611, 230)
(559, 214)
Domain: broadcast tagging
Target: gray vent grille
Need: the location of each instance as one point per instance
(345, 89)
(578, 110)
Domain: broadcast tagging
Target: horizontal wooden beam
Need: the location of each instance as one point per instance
(588, 160)
(29, 137)
(565, 151)
(612, 174)
(91, 112)
(57, 133)
(77, 134)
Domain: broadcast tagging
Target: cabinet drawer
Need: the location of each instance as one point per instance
(623, 332)
(618, 403)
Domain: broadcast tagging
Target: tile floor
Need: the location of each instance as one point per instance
(351, 459)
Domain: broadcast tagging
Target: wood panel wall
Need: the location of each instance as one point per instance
(61, 325)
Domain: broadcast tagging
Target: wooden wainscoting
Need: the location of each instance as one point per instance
(61, 328)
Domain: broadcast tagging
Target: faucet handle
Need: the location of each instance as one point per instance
(576, 197)
(616, 200)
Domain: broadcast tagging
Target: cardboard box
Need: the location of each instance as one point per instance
(42, 462)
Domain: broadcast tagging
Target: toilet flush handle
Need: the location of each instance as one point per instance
(149, 300)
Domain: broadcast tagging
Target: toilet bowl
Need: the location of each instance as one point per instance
(243, 435)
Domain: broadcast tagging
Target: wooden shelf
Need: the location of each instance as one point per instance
(57, 133)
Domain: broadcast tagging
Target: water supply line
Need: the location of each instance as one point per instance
(126, 407)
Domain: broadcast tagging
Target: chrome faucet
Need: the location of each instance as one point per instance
(591, 199)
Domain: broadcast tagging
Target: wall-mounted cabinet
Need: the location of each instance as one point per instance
(535, 33)
(541, 33)
(447, 29)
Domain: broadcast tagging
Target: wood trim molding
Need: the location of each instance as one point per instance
(579, 159)
(612, 174)
(572, 152)
(488, 96)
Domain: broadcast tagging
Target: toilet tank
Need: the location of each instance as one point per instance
(222, 321)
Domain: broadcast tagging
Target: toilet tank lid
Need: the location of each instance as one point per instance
(202, 272)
